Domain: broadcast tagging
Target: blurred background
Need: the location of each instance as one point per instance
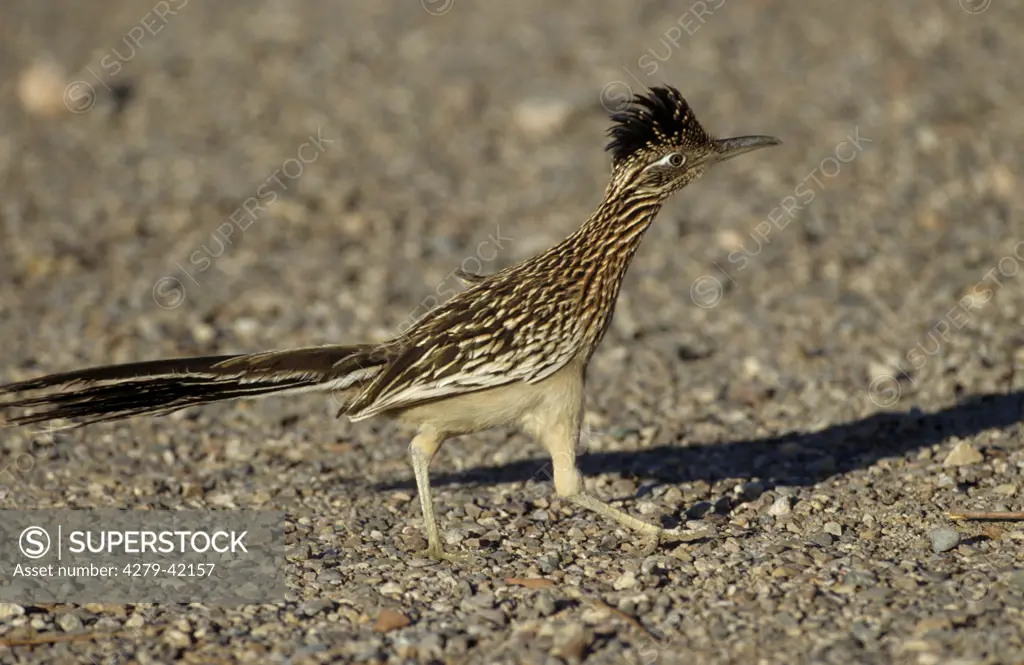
(187, 177)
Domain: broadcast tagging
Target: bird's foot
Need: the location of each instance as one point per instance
(437, 553)
(649, 542)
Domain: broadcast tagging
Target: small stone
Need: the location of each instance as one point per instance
(203, 333)
(540, 516)
(627, 580)
(315, 606)
(546, 604)
(963, 454)
(781, 507)
(860, 578)
(10, 610)
(542, 117)
(879, 369)
(866, 632)
(177, 639)
(43, 90)
(191, 490)
(931, 625)
(750, 491)
(331, 576)
(454, 536)
(672, 496)
(389, 620)
(406, 649)
(390, 588)
(483, 600)
(298, 552)
(430, 647)
(944, 538)
(822, 539)
(833, 528)
(574, 641)
(699, 510)
(723, 505)
(530, 582)
(648, 508)
(69, 623)
(730, 240)
(1002, 180)
(246, 326)
(1007, 490)
(135, 621)
(549, 562)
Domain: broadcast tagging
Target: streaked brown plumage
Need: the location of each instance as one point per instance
(511, 349)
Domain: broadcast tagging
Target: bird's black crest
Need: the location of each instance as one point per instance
(660, 118)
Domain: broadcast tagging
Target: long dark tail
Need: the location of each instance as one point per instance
(161, 386)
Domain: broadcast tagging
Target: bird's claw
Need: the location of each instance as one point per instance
(438, 554)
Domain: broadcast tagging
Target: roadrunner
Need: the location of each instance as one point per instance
(511, 349)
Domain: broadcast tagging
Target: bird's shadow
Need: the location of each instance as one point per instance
(792, 459)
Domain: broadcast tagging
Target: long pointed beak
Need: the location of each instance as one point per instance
(729, 148)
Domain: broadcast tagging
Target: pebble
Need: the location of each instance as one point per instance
(860, 577)
(541, 117)
(648, 508)
(750, 491)
(963, 454)
(1007, 489)
(782, 506)
(944, 538)
(626, 580)
(822, 539)
(573, 642)
(699, 510)
(10, 610)
(549, 562)
(390, 588)
(1015, 580)
(833, 528)
(41, 88)
(546, 605)
(406, 648)
(177, 639)
(430, 647)
(389, 620)
(315, 606)
(69, 623)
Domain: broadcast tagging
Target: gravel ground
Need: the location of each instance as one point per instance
(813, 357)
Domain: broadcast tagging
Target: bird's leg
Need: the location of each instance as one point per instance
(651, 536)
(569, 484)
(560, 434)
(584, 500)
(421, 451)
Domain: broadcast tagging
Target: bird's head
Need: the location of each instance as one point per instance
(658, 146)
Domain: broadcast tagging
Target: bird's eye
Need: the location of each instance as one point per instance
(671, 160)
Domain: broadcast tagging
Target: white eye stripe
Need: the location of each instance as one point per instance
(674, 159)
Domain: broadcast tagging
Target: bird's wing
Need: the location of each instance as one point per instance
(482, 338)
